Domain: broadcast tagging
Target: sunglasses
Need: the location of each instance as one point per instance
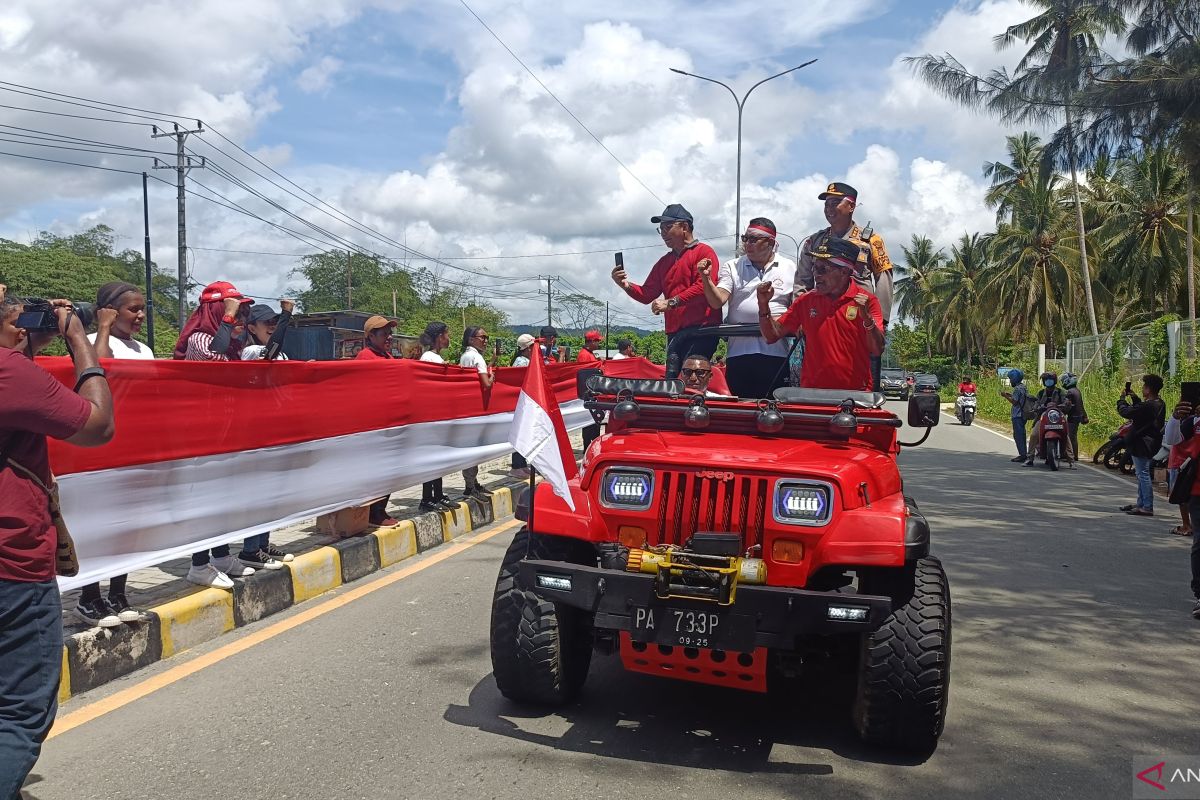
(822, 269)
(667, 226)
(755, 239)
(482, 336)
(695, 373)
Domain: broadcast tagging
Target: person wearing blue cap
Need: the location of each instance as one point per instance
(1017, 397)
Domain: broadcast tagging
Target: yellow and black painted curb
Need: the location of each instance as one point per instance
(96, 656)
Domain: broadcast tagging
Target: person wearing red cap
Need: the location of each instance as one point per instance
(673, 288)
(214, 331)
(587, 355)
(841, 323)
(873, 267)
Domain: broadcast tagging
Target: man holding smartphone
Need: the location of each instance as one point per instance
(34, 406)
(673, 288)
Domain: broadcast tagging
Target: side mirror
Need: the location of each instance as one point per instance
(924, 410)
(581, 381)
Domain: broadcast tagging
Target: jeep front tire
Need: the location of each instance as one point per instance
(904, 670)
(540, 651)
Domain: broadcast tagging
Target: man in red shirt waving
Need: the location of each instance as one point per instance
(842, 323)
(673, 288)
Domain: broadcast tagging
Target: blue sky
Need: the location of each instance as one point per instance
(412, 118)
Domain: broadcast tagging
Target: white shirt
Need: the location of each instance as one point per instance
(741, 279)
(126, 348)
(255, 352)
(473, 358)
(432, 357)
(618, 357)
(521, 361)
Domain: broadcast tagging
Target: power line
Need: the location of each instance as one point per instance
(78, 149)
(560, 102)
(71, 163)
(72, 116)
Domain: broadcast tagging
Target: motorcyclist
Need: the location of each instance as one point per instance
(1077, 415)
(1050, 393)
(966, 385)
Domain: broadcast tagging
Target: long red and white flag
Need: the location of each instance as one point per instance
(538, 432)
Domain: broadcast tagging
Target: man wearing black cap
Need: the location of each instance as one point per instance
(842, 323)
(673, 288)
(873, 268)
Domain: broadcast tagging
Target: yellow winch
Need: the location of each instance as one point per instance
(696, 576)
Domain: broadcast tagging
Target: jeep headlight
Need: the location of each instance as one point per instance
(627, 488)
(802, 502)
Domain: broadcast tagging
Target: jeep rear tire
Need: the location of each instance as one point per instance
(904, 669)
(540, 651)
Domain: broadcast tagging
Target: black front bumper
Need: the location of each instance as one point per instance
(760, 616)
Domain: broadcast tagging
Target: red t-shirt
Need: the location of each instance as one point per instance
(966, 388)
(33, 405)
(837, 352)
(367, 353)
(677, 276)
(585, 356)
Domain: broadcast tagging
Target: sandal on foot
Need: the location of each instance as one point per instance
(1179, 531)
(1129, 507)
(1140, 512)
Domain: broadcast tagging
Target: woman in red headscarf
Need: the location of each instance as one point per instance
(214, 331)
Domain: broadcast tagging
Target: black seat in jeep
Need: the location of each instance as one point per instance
(640, 387)
(828, 397)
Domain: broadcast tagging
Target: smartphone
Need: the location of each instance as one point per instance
(1128, 386)
(619, 260)
(1189, 392)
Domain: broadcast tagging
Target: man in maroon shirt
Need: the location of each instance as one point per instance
(841, 322)
(673, 288)
(33, 405)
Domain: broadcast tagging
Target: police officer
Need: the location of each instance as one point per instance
(874, 268)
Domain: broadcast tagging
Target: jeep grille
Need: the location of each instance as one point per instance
(689, 502)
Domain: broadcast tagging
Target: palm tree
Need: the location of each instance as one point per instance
(958, 288)
(1024, 160)
(1145, 225)
(1033, 277)
(1064, 44)
(914, 287)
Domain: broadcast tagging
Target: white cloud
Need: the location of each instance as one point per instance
(319, 77)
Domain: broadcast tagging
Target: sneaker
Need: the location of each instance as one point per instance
(1029, 463)
(232, 567)
(481, 491)
(1196, 609)
(430, 505)
(208, 575)
(126, 612)
(446, 504)
(386, 522)
(259, 560)
(277, 554)
(518, 472)
(98, 613)
(1017, 460)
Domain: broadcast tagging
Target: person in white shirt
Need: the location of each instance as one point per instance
(120, 313)
(435, 339)
(624, 350)
(475, 339)
(266, 331)
(755, 368)
(524, 351)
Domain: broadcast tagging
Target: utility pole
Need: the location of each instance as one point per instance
(349, 281)
(549, 307)
(149, 275)
(183, 165)
(607, 328)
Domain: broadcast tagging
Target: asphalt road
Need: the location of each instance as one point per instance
(1074, 651)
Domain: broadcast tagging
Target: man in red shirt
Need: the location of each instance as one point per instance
(841, 323)
(586, 354)
(673, 288)
(33, 405)
(378, 341)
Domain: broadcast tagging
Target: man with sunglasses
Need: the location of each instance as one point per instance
(673, 288)
(755, 367)
(873, 267)
(841, 323)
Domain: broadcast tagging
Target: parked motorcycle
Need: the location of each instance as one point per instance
(1054, 433)
(964, 408)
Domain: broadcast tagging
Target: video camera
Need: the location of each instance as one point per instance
(39, 316)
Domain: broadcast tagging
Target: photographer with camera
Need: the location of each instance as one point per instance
(34, 545)
(1148, 415)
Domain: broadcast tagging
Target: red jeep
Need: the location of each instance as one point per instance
(726, 542)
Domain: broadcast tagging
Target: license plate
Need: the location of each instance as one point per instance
(688, 627)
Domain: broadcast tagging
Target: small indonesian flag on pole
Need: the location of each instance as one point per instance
(538, 432)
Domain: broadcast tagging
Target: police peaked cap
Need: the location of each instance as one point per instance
(837, 189)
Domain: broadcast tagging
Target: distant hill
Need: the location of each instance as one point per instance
(535, 329)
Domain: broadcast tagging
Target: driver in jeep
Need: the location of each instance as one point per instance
(842, 324)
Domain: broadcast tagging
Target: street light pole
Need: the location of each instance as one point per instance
(741, 104)
(793, 238)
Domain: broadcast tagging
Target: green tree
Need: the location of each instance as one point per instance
(915, 297)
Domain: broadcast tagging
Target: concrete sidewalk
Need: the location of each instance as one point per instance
(183, 615)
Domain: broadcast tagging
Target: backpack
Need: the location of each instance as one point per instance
(1029, 406)
(1181, 490)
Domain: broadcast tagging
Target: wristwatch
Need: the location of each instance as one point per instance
(90, 372)
(673, 302)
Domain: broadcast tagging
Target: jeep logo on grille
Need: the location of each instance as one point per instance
(720, 476)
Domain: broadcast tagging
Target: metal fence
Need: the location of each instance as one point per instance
(1090, 353)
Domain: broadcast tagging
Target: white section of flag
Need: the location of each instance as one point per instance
(534, 437)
